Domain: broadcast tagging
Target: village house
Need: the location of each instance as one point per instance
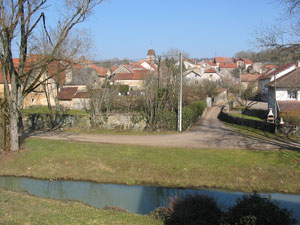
(47, 91)
(244, 63)
(196, 76)
(270, 75)
(134, 74)
(222, 60)
(250, 80)
(285, 90)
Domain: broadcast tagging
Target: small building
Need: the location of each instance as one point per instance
(286, 91)
(270, 75)
(250, 79)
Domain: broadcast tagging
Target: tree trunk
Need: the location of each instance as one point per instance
(14, 131)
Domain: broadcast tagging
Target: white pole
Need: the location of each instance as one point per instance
(180, 95)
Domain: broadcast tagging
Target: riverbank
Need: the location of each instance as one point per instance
(21, 208)
(244, 170)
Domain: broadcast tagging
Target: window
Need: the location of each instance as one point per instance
(292, 94)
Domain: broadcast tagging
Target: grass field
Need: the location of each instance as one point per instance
(245, 116)
(173, 167)
(20, 208)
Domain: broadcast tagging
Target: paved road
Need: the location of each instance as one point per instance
(208, 132)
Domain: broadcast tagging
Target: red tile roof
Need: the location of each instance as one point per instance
(210, 63)
(101, 71)
(67, 93)
(82, 94)
(247, 61)
(55, 69)
(223, 60)
(271, 66)
(228, 65)
(136, 75)
(210, 70)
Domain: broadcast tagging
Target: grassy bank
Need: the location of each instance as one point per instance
(249, 131)
(245, 116)
(229, 169)
(20, 208)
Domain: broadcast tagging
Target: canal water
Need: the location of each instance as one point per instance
(135, 199)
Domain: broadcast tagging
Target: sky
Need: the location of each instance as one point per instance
(128, 28)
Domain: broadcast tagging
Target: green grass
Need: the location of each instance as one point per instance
(20, 208)
(245, 116)
(45, 110)
(243, 170)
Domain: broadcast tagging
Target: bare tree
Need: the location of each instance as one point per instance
(100, 98)
(284, 37)
(20, 20)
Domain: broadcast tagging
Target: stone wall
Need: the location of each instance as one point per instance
(261, 125)
(130, 121)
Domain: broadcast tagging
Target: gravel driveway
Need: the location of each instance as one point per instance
(208, 132)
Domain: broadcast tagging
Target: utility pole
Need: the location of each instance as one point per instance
(158, 72)
(180, 97)
(275, 105)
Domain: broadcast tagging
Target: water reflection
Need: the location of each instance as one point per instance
(135, 199)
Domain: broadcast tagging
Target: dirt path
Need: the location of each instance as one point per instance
(208, 132)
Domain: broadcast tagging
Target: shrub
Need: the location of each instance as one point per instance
(160, 213)
(254, 209)
(191, 113)
(167, 120)
(192, 210)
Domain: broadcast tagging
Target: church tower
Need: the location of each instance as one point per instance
(151, 55)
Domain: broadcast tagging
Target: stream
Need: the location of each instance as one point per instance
(135, 199)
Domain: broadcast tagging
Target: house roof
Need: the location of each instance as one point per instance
(136, 75)
(67, 93)
(249, 77)
(154, 66)
(245, 60)
(210, 70)
(228, 65)
(82, 94)
(101, 71)
(194, 70)
(223, 60)
(55, 69)
(269, 66)
(289, 80)
(289, 106)
(276, 71)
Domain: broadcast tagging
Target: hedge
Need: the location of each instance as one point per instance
(191, 113)
(167, 120)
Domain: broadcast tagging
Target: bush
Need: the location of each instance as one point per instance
(160, 213)
(191, 113)
(254, 209)
(194, 209)
(167, 120)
